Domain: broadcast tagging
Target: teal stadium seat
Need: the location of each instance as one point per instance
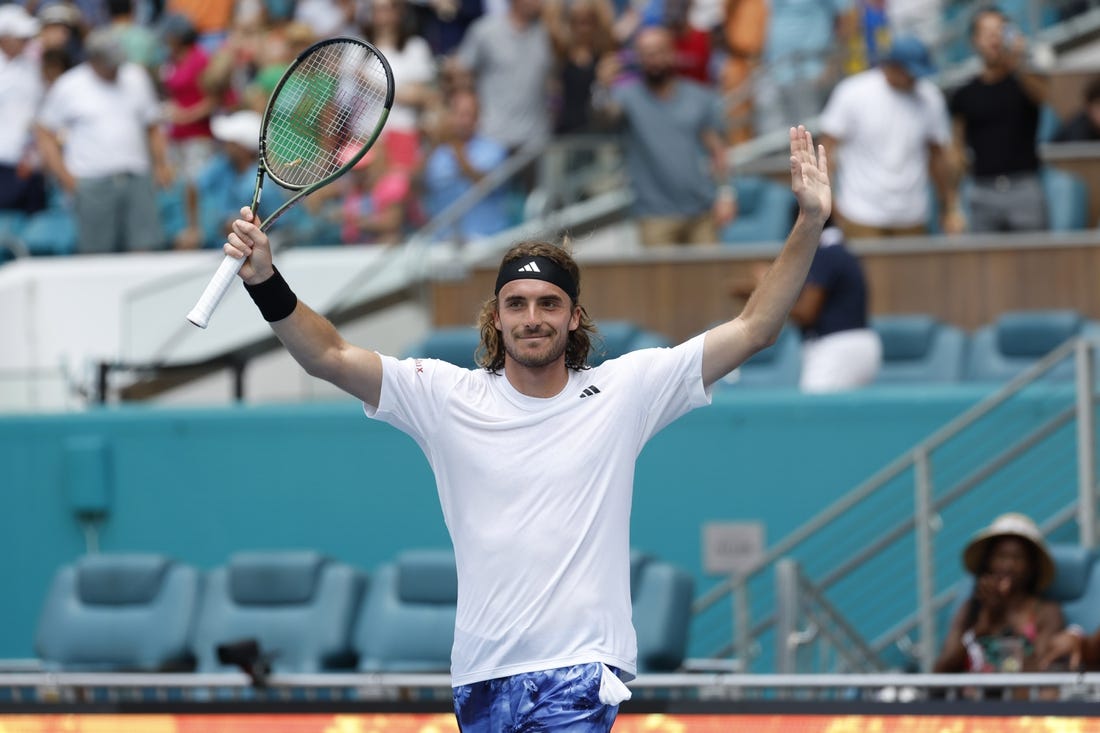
(779, 365)
(615, 338)
(116, 612)
(661, 594)
(408, 616)
(765, 212)
(299, 606)
(50, 232)
(1067, 197)
(919, 349)
(1018, 339)
(11, 230)
(455, 344)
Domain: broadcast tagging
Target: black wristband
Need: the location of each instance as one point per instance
(273, 297)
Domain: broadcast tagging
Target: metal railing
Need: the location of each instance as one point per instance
(956, 481)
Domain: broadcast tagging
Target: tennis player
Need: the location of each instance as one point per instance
(534, 459)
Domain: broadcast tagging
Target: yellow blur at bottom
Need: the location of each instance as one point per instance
(445, 723)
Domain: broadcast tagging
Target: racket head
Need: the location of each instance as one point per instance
(325, 113)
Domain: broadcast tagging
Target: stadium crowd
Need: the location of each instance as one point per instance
(116, 106)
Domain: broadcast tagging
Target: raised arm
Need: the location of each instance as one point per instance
(309, 337)
(728, 345)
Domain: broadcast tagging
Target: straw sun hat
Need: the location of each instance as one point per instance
(1015, 525)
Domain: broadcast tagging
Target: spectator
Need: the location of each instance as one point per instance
(210, 18)
(99, 135)
(510, 58)
(225, 181)
(800, 59)
(375, 200)
(189, 107)
(62, 28)
(996, 117)
(580, 31)
(1085, 125)
(390, 30)
(280, 46)
(140, 44)
(326, 18)
(22, 186)
(839, 350)
(887, 133)
(692, 46)
(443, 23)
(744, 30)
(460, 158)
(234, 65)
(1005, 625)
(673, 129)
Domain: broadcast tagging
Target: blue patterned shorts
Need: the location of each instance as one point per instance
(565, 699)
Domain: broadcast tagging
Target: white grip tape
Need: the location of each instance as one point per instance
(215, 291)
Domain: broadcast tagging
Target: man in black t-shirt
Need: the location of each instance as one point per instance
(996, 117)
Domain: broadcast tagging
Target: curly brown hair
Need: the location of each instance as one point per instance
(490, 352)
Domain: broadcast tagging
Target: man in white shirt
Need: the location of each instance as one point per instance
(888, 131)
(22, 187)
(99, 136)
(534, 459)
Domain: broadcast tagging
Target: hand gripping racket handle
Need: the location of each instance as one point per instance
(215, 291)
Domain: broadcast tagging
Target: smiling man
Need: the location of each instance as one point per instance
(534, 457)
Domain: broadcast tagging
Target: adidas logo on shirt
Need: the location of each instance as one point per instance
(530, 267)
(589, 391)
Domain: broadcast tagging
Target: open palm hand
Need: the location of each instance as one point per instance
(810, 175)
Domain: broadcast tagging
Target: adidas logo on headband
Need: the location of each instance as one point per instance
(531, 266)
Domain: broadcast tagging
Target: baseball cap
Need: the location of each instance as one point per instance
(241, 128)
(15, 22)
(912, 55)
(62, 13)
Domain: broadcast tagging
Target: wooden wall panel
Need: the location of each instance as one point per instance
(680, 296)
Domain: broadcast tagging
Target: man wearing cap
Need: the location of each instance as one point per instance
(227, 178)
(891, 135)
(534, 458)
(1005, 625)
(22, 186)
(99, 135)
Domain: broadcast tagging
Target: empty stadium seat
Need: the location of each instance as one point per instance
(918, 348)
(1018, 339)
(408, 616)
(50, 232)
(661, 594)
(1067, 197)
(454, 344)
(615, 338)
(779, 365)
(765, 212)
(119, 612)
(299, 606)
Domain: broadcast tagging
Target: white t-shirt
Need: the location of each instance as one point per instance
(20, 93)
(882, 155)
(536, 494)
(411, 65)
(105, 125)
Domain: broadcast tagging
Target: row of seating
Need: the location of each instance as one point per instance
(308, 612)
(919, 349)
(766, 207)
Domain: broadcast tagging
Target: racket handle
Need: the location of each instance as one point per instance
(215, 291)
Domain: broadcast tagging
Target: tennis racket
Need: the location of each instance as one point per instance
(326, 112)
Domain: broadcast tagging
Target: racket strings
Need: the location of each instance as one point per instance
(325, 113)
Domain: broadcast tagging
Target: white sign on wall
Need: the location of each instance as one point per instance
(731, 548)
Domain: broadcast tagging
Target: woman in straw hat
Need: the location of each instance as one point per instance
(1005, 626)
